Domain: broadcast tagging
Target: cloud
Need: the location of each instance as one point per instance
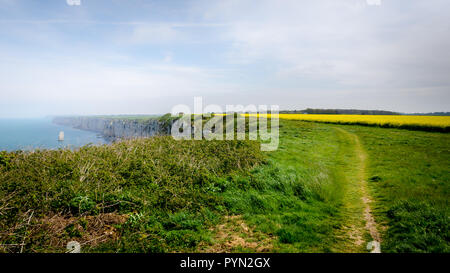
(326, 53)
(349, 42)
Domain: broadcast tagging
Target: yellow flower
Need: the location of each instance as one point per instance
(379, 120)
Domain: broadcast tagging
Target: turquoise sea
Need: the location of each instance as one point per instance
(29, 134)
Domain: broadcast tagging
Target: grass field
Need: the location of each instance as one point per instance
(328, 188)
(409, 174)
(403, 174)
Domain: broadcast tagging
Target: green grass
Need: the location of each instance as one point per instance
(307, 195)
(297, 196)
(408, 174)
(162, 195)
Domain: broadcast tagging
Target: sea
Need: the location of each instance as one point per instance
(42, 133)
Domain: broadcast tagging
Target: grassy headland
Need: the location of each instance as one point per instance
(162, 195)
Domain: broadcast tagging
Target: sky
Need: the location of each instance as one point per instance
(144, 57)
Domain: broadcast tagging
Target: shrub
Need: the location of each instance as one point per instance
(156, 176)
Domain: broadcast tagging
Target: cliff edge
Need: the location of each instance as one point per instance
(118, 128)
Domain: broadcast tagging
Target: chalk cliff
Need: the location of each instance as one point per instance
(118, 128)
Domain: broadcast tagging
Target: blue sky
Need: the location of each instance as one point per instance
(137, 57)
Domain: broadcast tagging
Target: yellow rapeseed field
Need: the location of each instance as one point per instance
(439, 123)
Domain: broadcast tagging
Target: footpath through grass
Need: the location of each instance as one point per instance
(162, 195)
(299, 197)
(408, 174)
(400, 177)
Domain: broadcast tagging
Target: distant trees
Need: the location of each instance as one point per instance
(340, 112)
(431, 114)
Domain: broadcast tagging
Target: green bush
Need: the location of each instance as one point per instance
(157, 178)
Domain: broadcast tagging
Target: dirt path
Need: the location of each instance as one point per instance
(360, 226)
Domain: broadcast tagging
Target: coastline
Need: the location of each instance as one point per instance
(117, 128)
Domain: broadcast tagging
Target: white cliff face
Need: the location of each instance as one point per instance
(117, 128)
